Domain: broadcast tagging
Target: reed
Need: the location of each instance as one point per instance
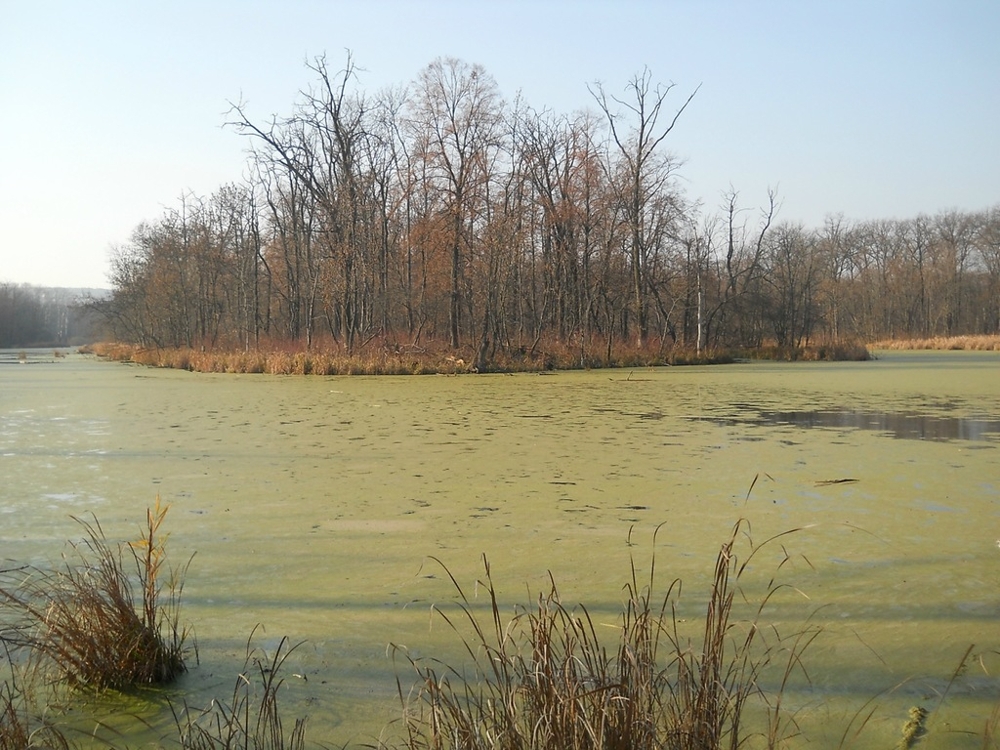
(15, 721)
(108, 618)
(383, 357)
(986, 343)
(541, 678)
(21, 728)
(251, 720)
(838, 351)
(544, 679)
(991, 730)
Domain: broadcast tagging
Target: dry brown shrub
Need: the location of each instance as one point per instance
(107, 619)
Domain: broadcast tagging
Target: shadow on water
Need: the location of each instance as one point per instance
(906, 426)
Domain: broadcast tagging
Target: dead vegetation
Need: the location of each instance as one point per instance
(107, 618)
(984, 343)
(544, 678)
(251, 719)
(388, 358)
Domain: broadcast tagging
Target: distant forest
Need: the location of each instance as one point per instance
(40, 316)
(441, 212)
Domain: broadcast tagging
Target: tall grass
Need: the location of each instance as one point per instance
(21, 728)
(544, 679)
(836, 351)
(985, 343)
(381, 356)
(251, 720)
(108, 618)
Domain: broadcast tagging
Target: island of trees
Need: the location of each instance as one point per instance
(441, 217)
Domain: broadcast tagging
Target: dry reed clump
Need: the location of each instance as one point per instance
(843, 351)
(107, 619)
(105, 349)
(379, 356)
(985, 343)
(544, 679)
(251, 719)
(839, 351)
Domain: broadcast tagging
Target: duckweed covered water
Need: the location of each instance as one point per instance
(313, 507)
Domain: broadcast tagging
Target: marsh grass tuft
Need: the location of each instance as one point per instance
(544, 679)
(837, 351)
(107, 619)
(251, 720)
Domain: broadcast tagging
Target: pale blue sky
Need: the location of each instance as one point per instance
(109, 111)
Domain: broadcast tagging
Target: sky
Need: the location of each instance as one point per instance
(110, 110)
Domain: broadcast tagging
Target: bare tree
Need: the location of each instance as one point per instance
(792, 278)
(645, 171)
(988, 246)
(457, 117)
(734, 251)
(443, 211)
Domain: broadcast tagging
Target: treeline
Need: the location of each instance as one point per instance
(442, 212)
(37, 316)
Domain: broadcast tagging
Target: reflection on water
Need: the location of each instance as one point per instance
(898, 425)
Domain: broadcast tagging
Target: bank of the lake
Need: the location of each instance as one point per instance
(391, 358)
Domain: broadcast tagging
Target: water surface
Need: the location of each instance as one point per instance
(314, 506)
(907, 426)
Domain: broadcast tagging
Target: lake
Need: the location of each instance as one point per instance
(315, 508)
